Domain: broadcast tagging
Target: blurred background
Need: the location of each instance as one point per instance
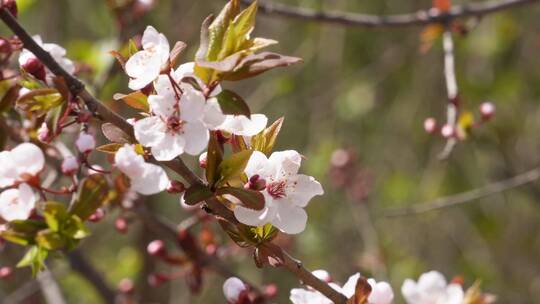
(355, 108)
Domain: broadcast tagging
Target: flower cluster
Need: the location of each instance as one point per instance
(20, 166)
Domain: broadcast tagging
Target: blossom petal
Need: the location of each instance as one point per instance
(254, 217)
(169, 147)
(290, 219)
(349, 287)
(242, 125)
(152, 181)
(303, 296)
(192, 105)
(258, 164)
(381, 292)
(410, 292)
(162, 105)
(28, 159)
(143, 67)
(196, 136)
(304, 189)
(149, 131)
(232, 288)
(164, 88)
(17, 204)
(285, 163)
(129, 162)
(156, 41)
(8, 170)
(213, 117)
(454, 294)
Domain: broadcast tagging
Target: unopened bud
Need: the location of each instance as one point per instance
(126, 286)
(11, 6)
(447, 131)
(487, 110)
(156, 279)
(270, 291)
(121, 225)
(202, 160)
(70, 165)
(5, 272)
(156, 248)
(35, 68)
(97, 216)
(430, 125)
(85, 143)
(256, 183)
(176, 187)
(5, 46)
(211, 249)
(43, 133)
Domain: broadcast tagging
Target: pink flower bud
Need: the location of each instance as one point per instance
(202, 160)
(447, 131)
(430, 125)
(233, 288)
(85, 143)
(11, 6)
(70, 165)
(487, 110)
(256, 183)
(323, 275)
(157, 248)
(97, 216)
(121, 225)
(176, 187)
(126, 286)
(270, 291)
(5, 272)
(43, 133)
(35, 68)
(5, 46)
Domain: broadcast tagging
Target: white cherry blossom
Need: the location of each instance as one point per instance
(145, 66)
(17, 204)
(21, 163)
(145, 178)
(175, 127)
(56, 51)
(432, 288)
(233, 288)
(286, 192)
(214, 118)
(381, 292)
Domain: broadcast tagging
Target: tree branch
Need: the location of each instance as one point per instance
(79, 264)
(468, 196)
(420, 18)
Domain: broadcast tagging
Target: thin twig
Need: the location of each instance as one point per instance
(50, 288)
(466, 197)
(79, 264)
(452, 108)
(420, 18)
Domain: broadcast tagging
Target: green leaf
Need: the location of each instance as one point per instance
(265, 140)
(214, 157)
(35, 258)
(265, 233)
(53, 117)
(238, 31)
(75, 228)
(109, 148)
(50, 240)
(136, 100)
(132, 48)
(39, 101)
(22, 232)
(218, 28)
(232, 103)
(197, 193)
(55, 214)
(234, 165)
(249, 198)
(9, 98)
(205, 38)
(115, 134)
(93, 193)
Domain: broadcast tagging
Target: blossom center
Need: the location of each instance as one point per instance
(175, 124)
(277, 189)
